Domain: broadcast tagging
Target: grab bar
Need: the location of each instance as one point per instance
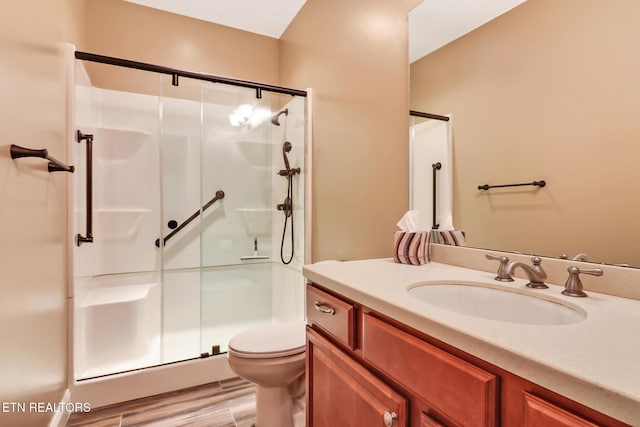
(54, 165)
(534, 183)
(219, 195)
(88, 138)
(436, 167)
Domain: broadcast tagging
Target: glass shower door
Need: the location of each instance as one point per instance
(180, 147)
(236, 237)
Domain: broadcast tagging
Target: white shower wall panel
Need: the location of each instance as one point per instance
(181, 174)
(125, 183)
(293, 130)
(238, 162)
(181, 314)
(234, 299)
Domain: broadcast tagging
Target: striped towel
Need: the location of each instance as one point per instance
(411, 247)
(449, 237)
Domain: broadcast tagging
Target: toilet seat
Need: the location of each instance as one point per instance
(275, 340)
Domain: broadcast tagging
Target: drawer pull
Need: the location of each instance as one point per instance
(323, 308)
(389, 418)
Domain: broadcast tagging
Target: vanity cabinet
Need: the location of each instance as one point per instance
(364, 369)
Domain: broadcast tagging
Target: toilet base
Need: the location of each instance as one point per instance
(281, 406)
(273, 407)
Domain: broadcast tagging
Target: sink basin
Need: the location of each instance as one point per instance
(496, 304)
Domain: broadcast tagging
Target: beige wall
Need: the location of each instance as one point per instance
(355, 57)
(33, 321)
(547, 91)
(130, 31)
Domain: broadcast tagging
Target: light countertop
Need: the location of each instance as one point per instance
(595, 362)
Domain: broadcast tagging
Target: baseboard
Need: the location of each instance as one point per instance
(60, 418)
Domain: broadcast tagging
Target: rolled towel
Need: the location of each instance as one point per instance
(411, 247)
(449, 237)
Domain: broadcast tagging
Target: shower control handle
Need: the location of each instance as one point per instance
(323, 308)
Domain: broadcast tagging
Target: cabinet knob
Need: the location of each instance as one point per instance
(389, 418)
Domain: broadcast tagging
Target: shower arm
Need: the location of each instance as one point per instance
(219, 195)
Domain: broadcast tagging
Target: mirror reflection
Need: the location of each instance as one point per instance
(430, 186)
(547, 91)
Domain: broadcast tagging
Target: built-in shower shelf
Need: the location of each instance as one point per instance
(257, 220)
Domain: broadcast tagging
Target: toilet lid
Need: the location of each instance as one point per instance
(275, 340)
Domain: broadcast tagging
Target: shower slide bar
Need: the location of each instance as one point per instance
(53, 166)
(176, 74)
(534, 183)
(219, 195)
(88, 138)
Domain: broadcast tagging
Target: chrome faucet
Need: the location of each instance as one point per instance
(535, 273)
(500, 275)
(576, 257)
(573, 286)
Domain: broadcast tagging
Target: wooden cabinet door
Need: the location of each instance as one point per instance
(463, 393)
(539, 412)
(342, 393)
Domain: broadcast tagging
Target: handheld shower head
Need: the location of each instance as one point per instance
(286, 147)
(275, 117)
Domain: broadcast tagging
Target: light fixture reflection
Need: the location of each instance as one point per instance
(246, 115)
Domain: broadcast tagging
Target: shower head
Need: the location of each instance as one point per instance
(275, 117)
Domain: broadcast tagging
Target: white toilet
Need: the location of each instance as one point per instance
(273, 358)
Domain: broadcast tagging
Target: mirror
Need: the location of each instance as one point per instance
(430, 171)
(547, 91)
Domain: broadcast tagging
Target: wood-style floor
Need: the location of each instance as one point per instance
(229, 403)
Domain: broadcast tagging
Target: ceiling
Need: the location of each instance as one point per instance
(266, 17)
(432, 24)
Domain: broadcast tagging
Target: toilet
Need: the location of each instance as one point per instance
(273, 358)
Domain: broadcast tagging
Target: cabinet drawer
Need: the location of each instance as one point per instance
(539, 412)
(464, 393)
(332, 315)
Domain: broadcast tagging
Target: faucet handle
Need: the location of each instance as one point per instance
(573, 285)
(502, 274)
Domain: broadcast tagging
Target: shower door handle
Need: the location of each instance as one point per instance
(88, 138)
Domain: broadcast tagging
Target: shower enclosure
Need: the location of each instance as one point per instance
(178, 238)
